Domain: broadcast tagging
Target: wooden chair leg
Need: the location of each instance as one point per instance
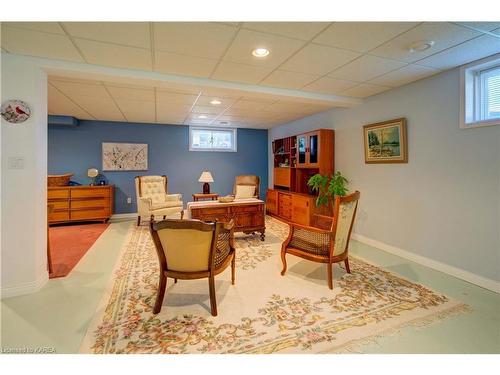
(162, 285)
(346, 262)
(164, 217)
(182, 214)
(233, 269)
(175, 281)
(213, 301)
(283, 260)
(330, 275)
(138, 220)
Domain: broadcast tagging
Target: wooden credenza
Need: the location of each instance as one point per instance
(80, 203)
(295, 207)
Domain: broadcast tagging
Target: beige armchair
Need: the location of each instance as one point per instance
(324, 246)
(153, 199)
(192, 249)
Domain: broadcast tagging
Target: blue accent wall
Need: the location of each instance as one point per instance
(75, 149)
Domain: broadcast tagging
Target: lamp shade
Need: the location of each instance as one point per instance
(206, 176)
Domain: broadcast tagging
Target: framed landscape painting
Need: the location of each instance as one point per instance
(385, 142)
(124, 157)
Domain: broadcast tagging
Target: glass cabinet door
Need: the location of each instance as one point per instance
(313, 149)
(301, 143)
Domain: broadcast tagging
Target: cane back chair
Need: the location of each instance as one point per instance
(192, 249)
(324, 246)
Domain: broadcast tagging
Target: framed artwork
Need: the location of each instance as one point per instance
(386, 142)
(124, 157)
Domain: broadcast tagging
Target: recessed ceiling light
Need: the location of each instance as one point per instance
(215, 102)
(421, 45)
(260, 52)
(202, 116)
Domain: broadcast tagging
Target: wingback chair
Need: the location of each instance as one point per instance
(192, 249)
(324, 246)
(153, 199)
(247, 180)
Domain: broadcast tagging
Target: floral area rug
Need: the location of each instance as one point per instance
(264, 312)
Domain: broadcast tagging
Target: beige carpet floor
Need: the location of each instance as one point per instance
(264, 312)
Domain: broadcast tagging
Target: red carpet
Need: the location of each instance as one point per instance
(69, 243)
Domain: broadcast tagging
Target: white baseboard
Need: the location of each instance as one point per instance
(434, 264)
(25, 288)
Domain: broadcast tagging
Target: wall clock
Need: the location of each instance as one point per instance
(15, 111)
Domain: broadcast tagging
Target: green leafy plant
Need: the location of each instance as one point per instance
(328, 187)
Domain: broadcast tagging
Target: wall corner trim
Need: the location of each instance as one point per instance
(25, 288)
(459, 273)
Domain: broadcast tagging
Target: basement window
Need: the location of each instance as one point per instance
(480, 89)
(212, 139)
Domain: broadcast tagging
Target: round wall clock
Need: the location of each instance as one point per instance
(15, 111)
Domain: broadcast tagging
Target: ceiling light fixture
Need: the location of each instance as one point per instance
(420, 45)
(202, 116)
(215, 102)
(260, 52)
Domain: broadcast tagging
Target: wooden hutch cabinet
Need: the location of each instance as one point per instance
(296, 159)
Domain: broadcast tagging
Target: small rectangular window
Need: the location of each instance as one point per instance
(212, 139)
(480, 85)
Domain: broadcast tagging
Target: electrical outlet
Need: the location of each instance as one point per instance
(129, 200)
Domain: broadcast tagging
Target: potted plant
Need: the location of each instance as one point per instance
(328, 187)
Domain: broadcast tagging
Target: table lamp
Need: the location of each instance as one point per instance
(206, 177)
(92, 173)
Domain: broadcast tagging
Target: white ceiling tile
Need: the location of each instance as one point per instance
(73, 89)
(443, 34)
(33, 43)
(135, 34)
(365, 89)
(171, 118)
(361, 36)
(297, 30)
(280, 48)
(114, 55)
(137, 110)
(203, 39)
(165, 107)
(329, 85)
(165, 97)
(253, 105)
(172, 63)
(204, 109)
(316, 59)
(464, 53)
(229, 71)
(59, 104)
(288, 80)
(101, 108)
(129, 93)
(46, 27)
(483, 26)
(366, 68)
(406, 74)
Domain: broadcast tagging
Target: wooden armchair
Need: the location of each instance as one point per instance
(247, 180)
(192, 249)
(324, 246)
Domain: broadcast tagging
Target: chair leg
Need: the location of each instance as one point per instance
(164, 217)
(182, 214)
(213, 301)
(330, 275)
(233, 269)
(283, 260)
(347, 268)
(162, 285)
(138, 220)
(175, 281)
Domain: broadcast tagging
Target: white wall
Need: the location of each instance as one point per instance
(444, 204)
(24, 191)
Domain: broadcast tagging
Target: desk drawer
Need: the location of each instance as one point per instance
(59, 216)
(90, 214)
(58, 204)
(57, 193)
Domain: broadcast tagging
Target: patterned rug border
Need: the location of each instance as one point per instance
(353, 346)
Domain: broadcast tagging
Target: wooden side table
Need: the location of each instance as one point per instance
(201, 196)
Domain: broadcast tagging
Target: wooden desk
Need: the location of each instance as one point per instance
(248, 214)
(200, 196)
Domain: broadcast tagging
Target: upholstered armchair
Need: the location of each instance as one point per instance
(153, 199)
(242, 182)
(324, 246)
(192, 249)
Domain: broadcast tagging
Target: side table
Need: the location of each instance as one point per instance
(201, 196)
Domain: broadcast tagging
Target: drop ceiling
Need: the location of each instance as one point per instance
(346, 59)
